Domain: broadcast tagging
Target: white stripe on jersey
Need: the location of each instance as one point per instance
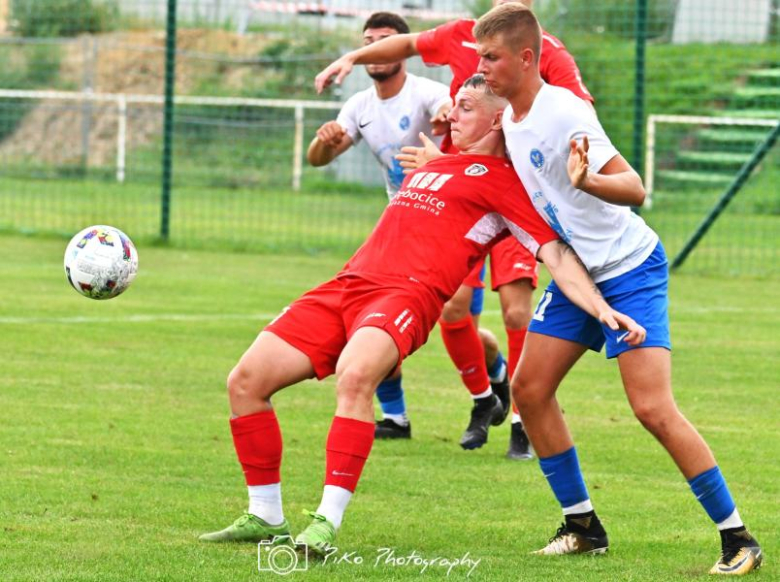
(486, 228)
(490, 226)
(523, 237)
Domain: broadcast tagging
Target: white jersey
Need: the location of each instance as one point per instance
(387, 125)
(610, 239)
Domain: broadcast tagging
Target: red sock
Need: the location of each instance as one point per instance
(465, 349)
(516, 339)
(258, 443)
(349, 443)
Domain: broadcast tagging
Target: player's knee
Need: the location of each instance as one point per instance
(354, 384)
(516, 316)
(657, 419)
(455, 310)
(527, 394)
(243, 385)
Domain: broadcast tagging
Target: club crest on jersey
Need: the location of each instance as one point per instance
(476, 170)
(537, 158)
(404, 123)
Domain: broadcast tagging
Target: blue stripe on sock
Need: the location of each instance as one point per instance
(565, 477)
(391, 396)
(712, 492)
(495, 368)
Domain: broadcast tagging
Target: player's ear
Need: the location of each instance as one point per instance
(498, 120)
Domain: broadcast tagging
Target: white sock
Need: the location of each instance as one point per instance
(516, 418)
(731, 521)
(334, 504)
(485, 394)
(399, 419)
(581, 507)
(265, 502)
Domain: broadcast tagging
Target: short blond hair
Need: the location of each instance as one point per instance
(515, 23)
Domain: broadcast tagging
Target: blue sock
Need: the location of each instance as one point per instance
(495, 371)
(565, 478)
(391, 396)
(712, 492)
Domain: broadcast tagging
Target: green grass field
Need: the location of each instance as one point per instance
(116, 451)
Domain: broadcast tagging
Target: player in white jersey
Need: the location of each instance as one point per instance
(388, 115)
(583, 188)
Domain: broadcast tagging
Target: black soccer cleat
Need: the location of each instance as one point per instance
(389, 429)
(580, 534)
(486, 411)
(501, 389)
(740, 553)
(520, 448)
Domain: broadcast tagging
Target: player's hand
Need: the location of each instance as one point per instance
(439, 123)
(413, 157)
(635, 333)
(339, 68)
(577, 165)
(331, 134)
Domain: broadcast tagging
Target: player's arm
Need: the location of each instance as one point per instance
(388, 50)
(331, 141)
(616, 182)
(572, 277)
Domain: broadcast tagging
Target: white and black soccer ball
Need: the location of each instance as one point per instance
(101, 262)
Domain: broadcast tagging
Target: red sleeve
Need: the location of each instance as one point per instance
(434, 45)
(519, 210)
(558, 67)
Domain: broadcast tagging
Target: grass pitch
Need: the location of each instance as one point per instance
(116, 451)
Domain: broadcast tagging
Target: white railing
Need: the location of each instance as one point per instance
(654, 120)
(122, 101)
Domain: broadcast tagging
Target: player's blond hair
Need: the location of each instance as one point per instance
(515, 23)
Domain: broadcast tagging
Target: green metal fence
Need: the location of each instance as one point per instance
(689, 90)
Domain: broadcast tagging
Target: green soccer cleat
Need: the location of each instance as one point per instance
(739, 555)
(248, 528)
(318, 537)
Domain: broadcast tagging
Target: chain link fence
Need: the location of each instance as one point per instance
(689, 91)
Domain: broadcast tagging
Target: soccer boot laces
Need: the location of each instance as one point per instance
(318, 537)
(577, 536)
(248, 528)
(740, 553)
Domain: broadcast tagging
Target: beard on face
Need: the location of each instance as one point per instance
(385, 75)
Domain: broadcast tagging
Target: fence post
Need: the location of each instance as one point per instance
(121, 137)
(298, 149)
(744, 173)
(167, 158)
(639, 84)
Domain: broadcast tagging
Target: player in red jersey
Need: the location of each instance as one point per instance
(513, 268)
(380, 308)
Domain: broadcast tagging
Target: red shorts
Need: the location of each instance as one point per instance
(511, 261)
(475, 279)
(321, 322)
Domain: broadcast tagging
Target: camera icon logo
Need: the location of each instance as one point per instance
(281, 555)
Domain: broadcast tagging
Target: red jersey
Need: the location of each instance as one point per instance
(446, 216)
(453, 44)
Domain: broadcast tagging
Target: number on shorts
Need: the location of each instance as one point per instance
(543, 303)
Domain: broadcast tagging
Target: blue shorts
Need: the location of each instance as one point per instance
(478, 296)
(642, 294)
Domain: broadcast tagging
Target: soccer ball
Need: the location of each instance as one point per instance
(101, 262)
